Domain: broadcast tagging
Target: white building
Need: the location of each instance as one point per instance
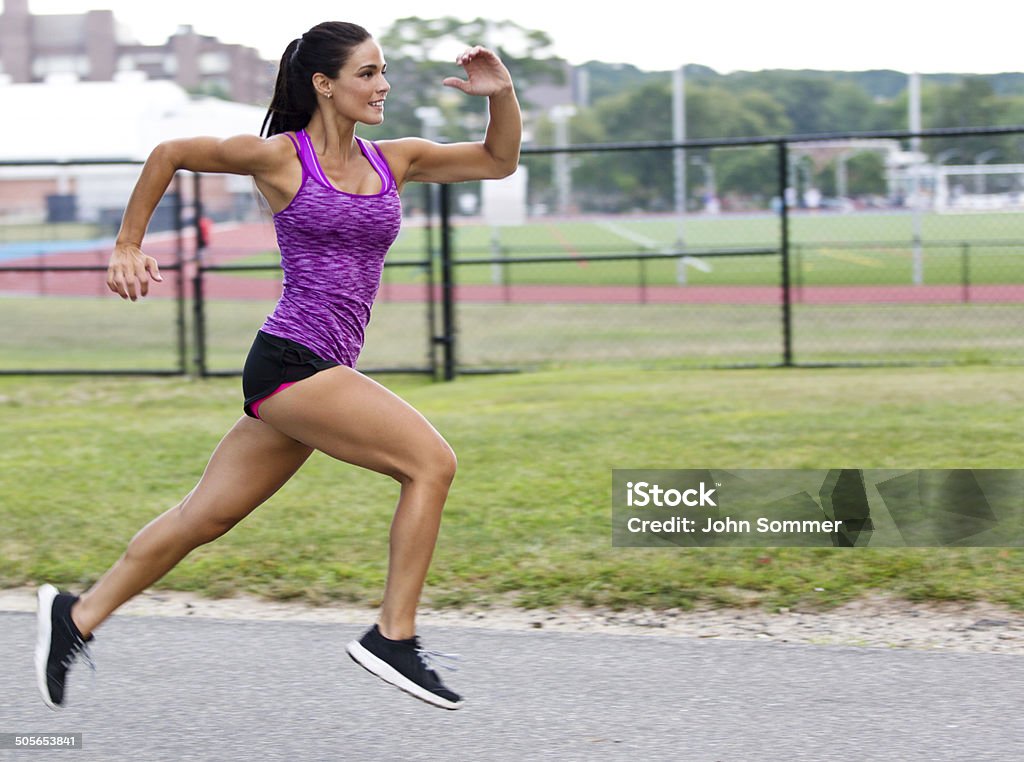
(50, 126)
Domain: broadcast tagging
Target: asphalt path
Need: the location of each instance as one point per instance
(175, 688)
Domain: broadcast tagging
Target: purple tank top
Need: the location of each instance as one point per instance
(332, 252)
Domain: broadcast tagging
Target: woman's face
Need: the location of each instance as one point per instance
(359, 90)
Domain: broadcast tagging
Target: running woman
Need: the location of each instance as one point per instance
(337, 210)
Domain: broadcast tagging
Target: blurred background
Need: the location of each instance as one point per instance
(683, 215)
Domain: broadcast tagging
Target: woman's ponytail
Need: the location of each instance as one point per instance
(281, 109)
(323, 49)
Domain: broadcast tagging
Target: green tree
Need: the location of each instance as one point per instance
(970, 103)
(813, 102)
(645, 179)
(421, 53)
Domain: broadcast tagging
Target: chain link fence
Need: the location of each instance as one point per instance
(840, 249)
(57, 226)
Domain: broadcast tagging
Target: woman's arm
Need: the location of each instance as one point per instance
(130, 270)
(419, 160)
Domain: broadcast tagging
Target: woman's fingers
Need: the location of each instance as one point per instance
(469, 54)
(153, 269)
(458, 84)
(484, 71)
(127, 284)
(129, 274)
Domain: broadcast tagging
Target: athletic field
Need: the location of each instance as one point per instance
(851, 286)
(827, 249)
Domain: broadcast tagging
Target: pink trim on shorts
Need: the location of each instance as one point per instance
(255, 407)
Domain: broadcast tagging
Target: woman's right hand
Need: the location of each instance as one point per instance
(130, 271)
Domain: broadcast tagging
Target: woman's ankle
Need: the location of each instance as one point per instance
(79, 621)
(396, 630)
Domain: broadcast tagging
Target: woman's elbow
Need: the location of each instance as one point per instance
(166, 153)
(505, 167)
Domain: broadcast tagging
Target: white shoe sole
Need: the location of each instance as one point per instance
(389, 674)
(46, 595)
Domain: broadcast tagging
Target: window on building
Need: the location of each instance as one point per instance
(43, 66)
(58, 31)
(214, 63)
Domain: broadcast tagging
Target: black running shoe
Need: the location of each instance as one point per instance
(406, 665)
(58, 644)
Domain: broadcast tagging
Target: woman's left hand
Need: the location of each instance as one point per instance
(486, 74)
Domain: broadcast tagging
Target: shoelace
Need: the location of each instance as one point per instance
(431, 659)
(80, 647)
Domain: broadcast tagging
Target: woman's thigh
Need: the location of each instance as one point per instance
(350, 417)
(250, 464)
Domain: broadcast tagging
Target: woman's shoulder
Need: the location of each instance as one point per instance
(240, 152)
(401, 146)
(279, 147)
(400, 153)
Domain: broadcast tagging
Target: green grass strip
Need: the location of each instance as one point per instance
(87, 462)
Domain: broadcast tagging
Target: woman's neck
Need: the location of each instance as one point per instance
(330, 135)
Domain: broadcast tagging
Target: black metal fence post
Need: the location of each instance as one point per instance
(447, 337)
(787, 313)
(179, 261)
(198, 307)
(428, 228)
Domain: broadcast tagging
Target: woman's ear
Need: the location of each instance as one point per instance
(322, 85)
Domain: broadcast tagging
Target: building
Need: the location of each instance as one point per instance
(50, 170)
(94, 47)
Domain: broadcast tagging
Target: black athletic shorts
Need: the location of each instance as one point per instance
(274, 361)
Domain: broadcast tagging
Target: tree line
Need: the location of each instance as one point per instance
(625, 104)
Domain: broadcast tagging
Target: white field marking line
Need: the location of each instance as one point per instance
(629, 235)
(650, 243)
(856, 259)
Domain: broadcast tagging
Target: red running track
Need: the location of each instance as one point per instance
(237, 241)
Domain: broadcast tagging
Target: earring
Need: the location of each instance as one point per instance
(330, 95)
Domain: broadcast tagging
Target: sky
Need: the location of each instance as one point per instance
(982, 36)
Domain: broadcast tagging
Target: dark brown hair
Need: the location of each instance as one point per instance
(325, 48)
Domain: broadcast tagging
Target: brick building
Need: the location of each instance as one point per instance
(94, 47)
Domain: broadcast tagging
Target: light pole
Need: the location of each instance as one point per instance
(560, 115)
(914, 116)
(431, 119)
(679, 161)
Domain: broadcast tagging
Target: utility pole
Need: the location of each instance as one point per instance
(561, 115)
(679, 159)
(916, 166)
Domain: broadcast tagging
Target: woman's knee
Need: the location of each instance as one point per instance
(436, 465)
(188, 526)
(447, 464)
(169, 533)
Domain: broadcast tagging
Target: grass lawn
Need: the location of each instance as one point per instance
(87, 462)
(46, 332)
